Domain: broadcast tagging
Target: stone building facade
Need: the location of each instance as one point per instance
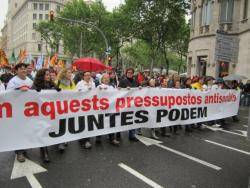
(220, 38)
(19, 29)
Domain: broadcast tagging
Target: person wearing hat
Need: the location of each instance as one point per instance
(23, 83)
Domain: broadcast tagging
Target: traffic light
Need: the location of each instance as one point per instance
(109, 59)
(51, 15)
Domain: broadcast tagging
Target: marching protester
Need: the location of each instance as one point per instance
(78, 77)
(64, 82)
(152, 84)
(6, 76)
(143, 78)
(86, 84)
(95, 78)
(246, 94)
(220, 84)
(30, 72)
(177, 85)
(53, 75)
(47, 79)
(114, 81)
(105, 85)
(164, 85)
(128, 81)
(43, 81)
(20, 81)
(198, 83)
(235, 86)
(208, 84)
(23, 83)
(187, 85)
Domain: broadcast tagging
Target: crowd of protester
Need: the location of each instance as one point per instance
(23, 77)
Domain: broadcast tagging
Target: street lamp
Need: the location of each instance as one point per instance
(108, 48)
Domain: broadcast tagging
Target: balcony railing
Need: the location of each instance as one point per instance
(204, 29)
(226, 26)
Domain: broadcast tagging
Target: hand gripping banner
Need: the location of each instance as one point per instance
(35, 119)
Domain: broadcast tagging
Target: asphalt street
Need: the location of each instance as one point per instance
(201, 159)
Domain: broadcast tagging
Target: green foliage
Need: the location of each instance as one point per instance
(81, 39)
(157, 28)
(138, 55)
(51, 34)
(157, 22)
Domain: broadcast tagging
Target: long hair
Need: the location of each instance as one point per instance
(39, 81)
(62, 74)
(78, 77)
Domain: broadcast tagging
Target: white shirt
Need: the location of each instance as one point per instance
(206, 87)
(105, 87)
(84, 86)
(215, 86)
(33, 74)
(2, 88)
(17, 83)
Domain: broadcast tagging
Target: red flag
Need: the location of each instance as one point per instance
(140, 78)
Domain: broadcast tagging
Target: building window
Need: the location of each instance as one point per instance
(46, 16)
(227, 7)
(58, 8)
(33, 36)
(46, 6)
(35, 6)
(245, 10)
(206, 12)
(40, 16)
(39, 47)
(202, 65)
(34, 25)
(40, 6)
(34, 17)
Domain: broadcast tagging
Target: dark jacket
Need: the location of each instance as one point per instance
(125, 82)
(186, 87)
(6, 77)
(46, 86)
(113, 82)
(247, 88)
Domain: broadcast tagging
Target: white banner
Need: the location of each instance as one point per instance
(35, 119)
